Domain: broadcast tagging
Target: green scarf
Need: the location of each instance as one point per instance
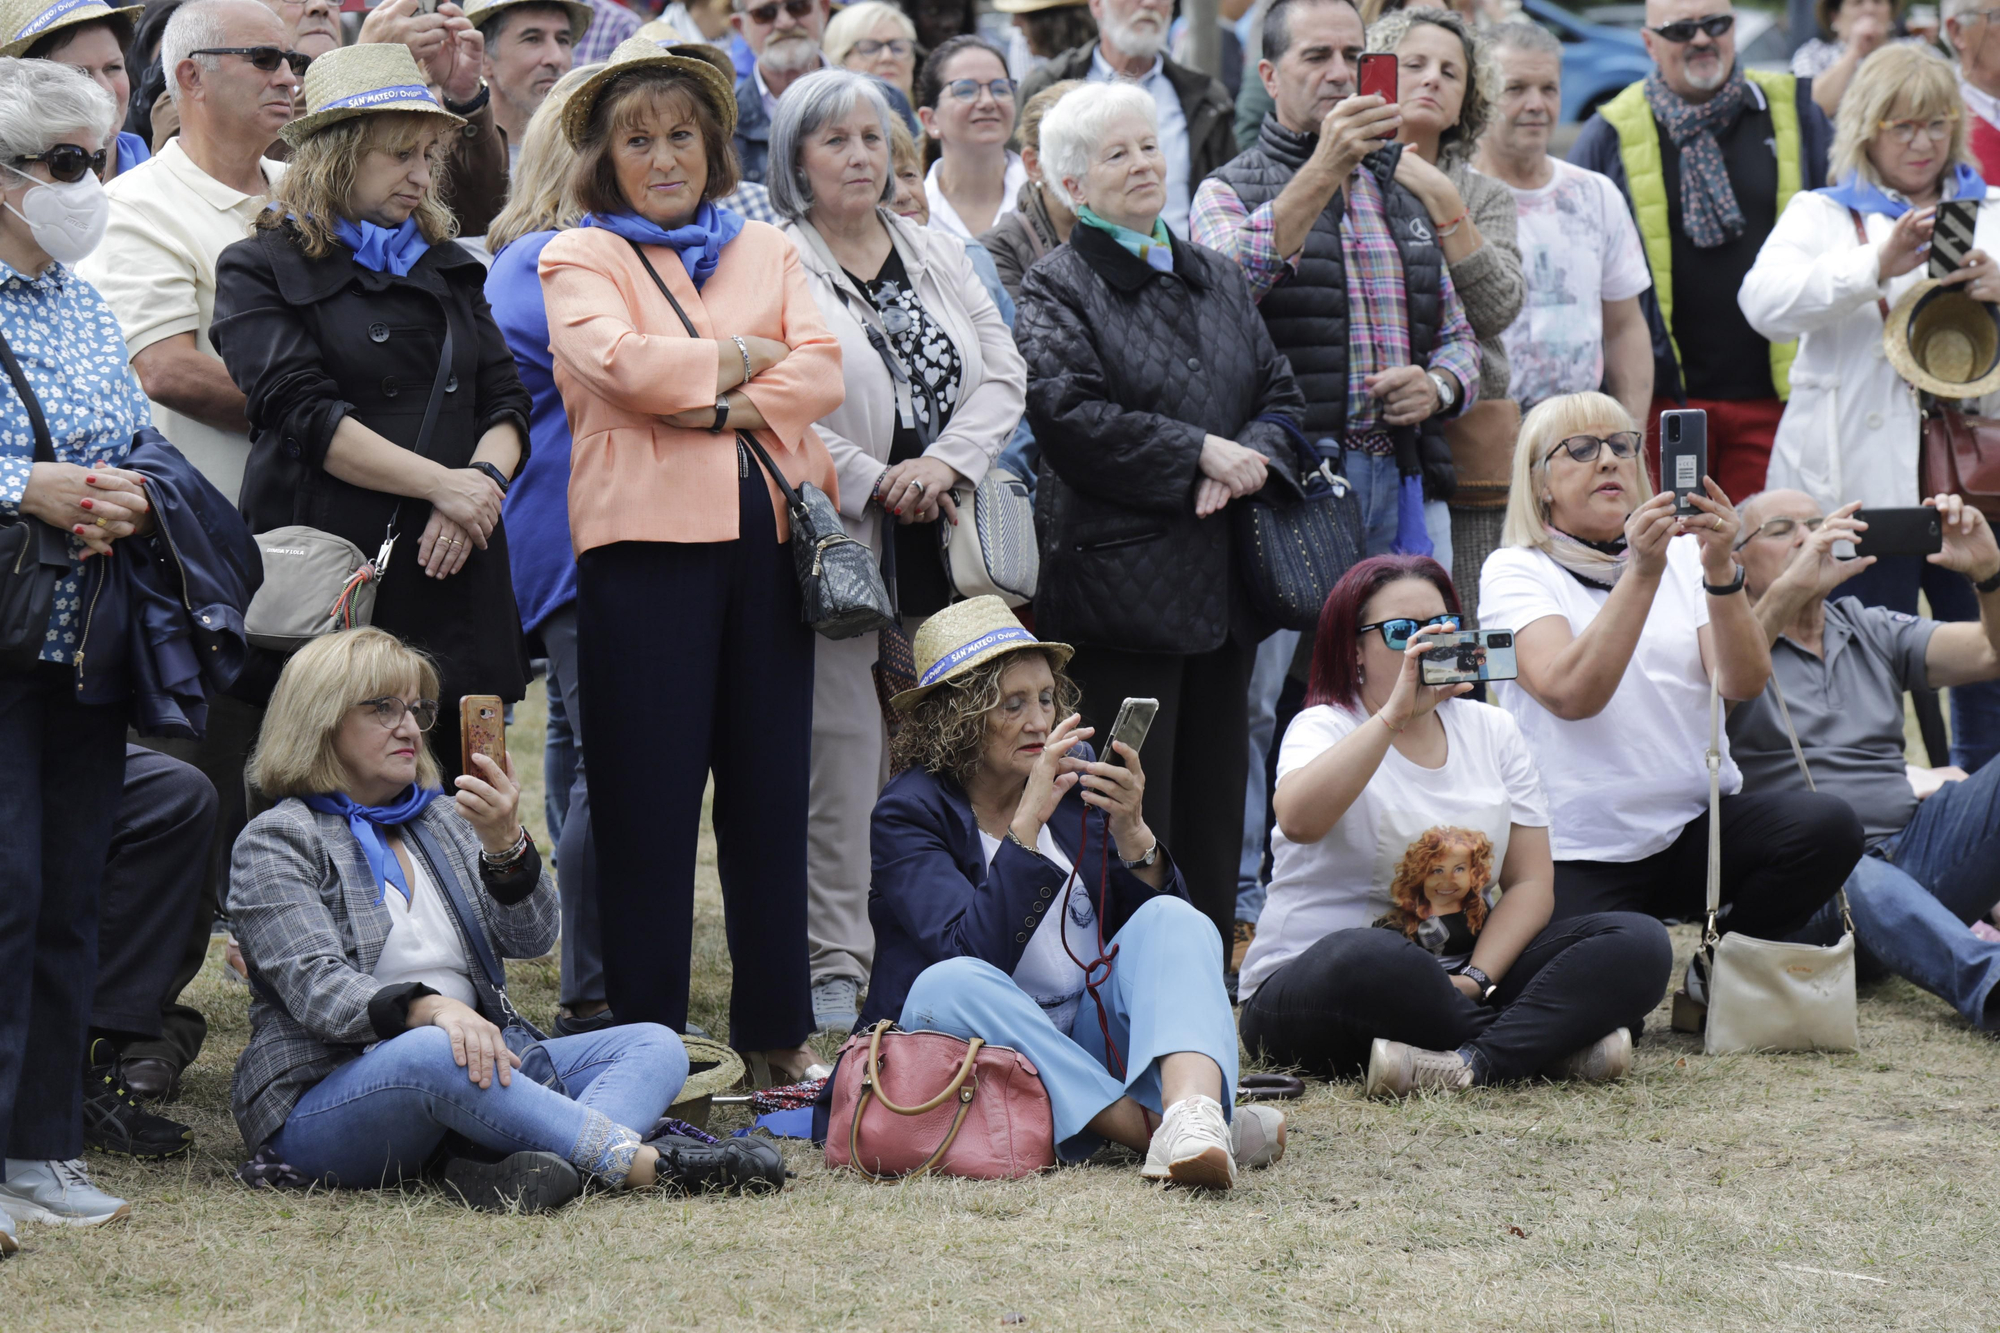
(1155, 251)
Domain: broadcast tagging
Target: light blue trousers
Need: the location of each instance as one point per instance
(1165, 996)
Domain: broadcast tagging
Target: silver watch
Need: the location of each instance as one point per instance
(1447, 389)
(1152, 855)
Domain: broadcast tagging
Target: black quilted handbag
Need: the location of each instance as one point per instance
(1292, 552)
(34, 556)
(839, 585)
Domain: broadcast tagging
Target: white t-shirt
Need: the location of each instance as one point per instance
(945, 218)
(1579, 249)
(1045, 971)
(1622, 784)
(1487, 785)
(423, 942)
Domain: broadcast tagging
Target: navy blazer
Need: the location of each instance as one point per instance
(934, 897)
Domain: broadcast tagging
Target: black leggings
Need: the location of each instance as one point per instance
(1576, 981)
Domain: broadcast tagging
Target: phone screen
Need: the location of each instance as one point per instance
(1469, 655)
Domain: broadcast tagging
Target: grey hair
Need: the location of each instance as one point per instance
(41, 100)
(1076, 125)
(1520, 35)
(195, 26)
(807, 106)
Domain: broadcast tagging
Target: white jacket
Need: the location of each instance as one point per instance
(859, 432)
(1852, 428)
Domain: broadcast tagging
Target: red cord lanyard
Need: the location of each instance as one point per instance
(1104, 956)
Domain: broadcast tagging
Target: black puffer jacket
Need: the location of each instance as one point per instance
(1128, 370)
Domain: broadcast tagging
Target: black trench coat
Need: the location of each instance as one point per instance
(311, 340)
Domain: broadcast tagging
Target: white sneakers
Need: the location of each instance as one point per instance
(1197, 1145)
(57, 1194)
(1397, 1070)
(1607, 1058)
(1258, 1135)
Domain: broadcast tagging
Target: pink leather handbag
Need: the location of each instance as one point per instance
(905, 1103)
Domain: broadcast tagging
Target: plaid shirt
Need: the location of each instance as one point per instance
(613, 24)
(1378, 306)
(751, 202)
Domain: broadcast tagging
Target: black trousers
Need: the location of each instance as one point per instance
(1783, 854)
(154, 912)
(61, 765)
(222, 755)
(1576, 981)
(1196, 757)
(692, 659)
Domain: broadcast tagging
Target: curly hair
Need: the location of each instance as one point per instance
(1457, 144)
(1410, 908)
(945, 734)
(314, 192)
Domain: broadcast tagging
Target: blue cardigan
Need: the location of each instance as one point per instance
(934, 897)
(536, 512)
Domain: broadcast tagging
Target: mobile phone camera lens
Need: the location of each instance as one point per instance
(1501, 641)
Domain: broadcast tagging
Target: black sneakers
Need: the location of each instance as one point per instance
(754, 1166)
(112, 1119)
(528, 1182)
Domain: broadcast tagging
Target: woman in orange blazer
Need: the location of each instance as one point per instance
(692, 653)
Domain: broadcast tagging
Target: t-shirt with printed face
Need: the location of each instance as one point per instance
(1579, 249)
(1435, 836)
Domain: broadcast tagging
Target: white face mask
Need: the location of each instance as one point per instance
(66, 220)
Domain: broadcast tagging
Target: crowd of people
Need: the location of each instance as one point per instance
(550, 320)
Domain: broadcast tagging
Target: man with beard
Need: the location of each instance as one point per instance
(1707, 156)
(785, 35)
(529, 45)
(1195, 110)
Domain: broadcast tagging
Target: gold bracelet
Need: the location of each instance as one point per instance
(1385, 722)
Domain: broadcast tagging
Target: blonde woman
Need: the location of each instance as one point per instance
(874, 38)
(332, 317)
(373, 908)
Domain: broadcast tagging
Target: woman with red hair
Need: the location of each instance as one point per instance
(1396, 804)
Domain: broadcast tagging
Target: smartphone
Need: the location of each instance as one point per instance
(427, 6)
(1951, 239)
(482, 729)
(1378, 76)
(1469, 655)
(1916, 531)
(1135, 719)
(1683, 455)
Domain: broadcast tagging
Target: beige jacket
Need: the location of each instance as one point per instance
(858, 432)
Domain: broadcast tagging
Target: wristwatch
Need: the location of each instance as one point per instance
(721, 414)
(1724, 589)
(1152, 855)
(472, 104)
(1988, 585)
(1447, 389)
(1486, 984)
(499, 477)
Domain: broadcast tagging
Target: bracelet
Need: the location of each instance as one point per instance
(1385, 722)
(745, 353)
(472, 105)
(492, 470)
(1452, 227)
(1724, 589)
(511, 857)
(1988, 585)
(880, 477)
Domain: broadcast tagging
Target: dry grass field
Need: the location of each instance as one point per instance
(1794, 1192)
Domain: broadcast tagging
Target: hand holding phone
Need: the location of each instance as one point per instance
(1470, 655)
(1683, 456)
(1135, 719)
(1918, 530)
(1378, 76)
(1951, 235)
(482, 729)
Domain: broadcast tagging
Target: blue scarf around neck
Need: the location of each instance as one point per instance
(698, 241)
(380, 248)
(366, 823)
(1863, 197)
(1155, 251)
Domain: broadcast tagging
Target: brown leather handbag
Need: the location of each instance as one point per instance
(1961, 456)
(1482, 452)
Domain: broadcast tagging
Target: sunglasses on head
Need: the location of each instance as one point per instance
(1584, 448)
(66, 162)
(1396, 633)
(264, 58)
(1683, 31)
(768, 14)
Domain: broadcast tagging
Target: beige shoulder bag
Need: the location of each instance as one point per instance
(1766, 995)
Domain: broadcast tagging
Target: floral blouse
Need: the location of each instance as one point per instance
(73, 355)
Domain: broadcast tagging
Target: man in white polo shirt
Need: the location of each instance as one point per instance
(171, 217)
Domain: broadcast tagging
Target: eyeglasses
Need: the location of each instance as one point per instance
(1584, 448)
(1780, 527)
(264, 58)
(1683, 32)
(1396, 633)
(66, 162)
(389, 710)
(1937, 129)
(868, 46)
(967, 90)
(768, 14)
(1980, 16)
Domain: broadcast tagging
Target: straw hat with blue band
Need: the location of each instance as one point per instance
(25, 22)
(359, 81)
(964, 635)
(639, 53)
(580, 14)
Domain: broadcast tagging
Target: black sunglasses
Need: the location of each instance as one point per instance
(768, 14)
(1584, 448)
(67, 162)
(265, 58)
(1683, 31)
(1396, 633)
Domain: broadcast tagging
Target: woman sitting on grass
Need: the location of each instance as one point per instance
(377, 1013)
(997, 848)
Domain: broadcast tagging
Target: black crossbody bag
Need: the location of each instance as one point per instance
(33, 555)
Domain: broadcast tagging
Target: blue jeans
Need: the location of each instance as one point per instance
(559, 760)
(1267, 682)
(1378, 485)
(379, 1119)
(1914, 895)
(576, 849)
(1165, 996)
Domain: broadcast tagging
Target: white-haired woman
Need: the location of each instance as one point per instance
(1158, 399)
(874, 38)
(62, 762)
(1851, 428)
(1622, 613)
(934, 390)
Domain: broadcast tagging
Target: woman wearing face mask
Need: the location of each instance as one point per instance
(62, 762)
(91, 39)
(333, 317)
(967, 107)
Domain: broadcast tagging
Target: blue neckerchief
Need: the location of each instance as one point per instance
(366, 823)
(1863, 197)
(1155, 251)
(698, 241)
(380, 248)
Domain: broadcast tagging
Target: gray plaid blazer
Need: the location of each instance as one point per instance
(311, 922)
